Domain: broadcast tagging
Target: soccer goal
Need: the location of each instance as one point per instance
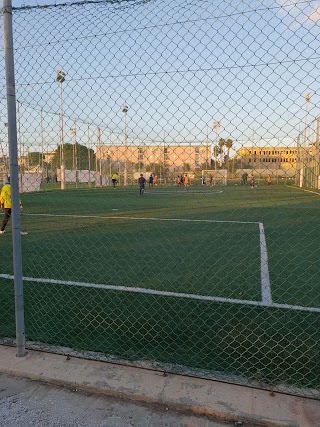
(215, 177)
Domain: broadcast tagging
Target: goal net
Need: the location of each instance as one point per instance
(215, 177)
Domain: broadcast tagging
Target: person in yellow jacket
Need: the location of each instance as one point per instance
(114, 179)
(5, 203)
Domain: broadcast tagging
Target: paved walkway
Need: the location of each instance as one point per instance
(33, 404)
(224, 402)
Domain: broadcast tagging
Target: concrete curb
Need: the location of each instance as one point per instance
(225, 402)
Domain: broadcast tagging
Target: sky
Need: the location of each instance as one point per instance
(178, 65)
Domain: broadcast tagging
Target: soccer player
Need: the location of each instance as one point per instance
(141, 182)
(114, 179)
(5, 203)
(186, 181)
(252, 183)
(244, 178)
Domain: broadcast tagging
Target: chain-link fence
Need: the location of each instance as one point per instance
(168, 160)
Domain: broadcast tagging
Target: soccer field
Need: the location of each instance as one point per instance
(217, 278)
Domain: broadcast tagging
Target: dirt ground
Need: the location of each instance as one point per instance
(33, 404)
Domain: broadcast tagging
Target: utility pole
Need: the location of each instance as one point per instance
(14, 176)
(100, 155)
(60, 78)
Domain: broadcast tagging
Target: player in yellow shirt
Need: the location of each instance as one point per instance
(115, 179)
(5, 203)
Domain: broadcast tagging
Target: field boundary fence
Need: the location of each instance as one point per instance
(160, 186)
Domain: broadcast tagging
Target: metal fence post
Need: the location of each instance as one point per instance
(14, 172)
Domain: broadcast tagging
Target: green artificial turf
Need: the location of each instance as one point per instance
(177, 241)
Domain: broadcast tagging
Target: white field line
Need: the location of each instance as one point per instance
(302, 189)
(166, 293)
(264, 271)
(264, 268)
(154, 193)
(144, 219)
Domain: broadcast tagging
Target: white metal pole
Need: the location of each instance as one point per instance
(42, 142)
(62, 166)
(207, 154)
(89, 160)
(14, 172)
(99, 145)
(75, 152)
(125, 148)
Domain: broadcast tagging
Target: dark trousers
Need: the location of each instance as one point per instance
(5, 218)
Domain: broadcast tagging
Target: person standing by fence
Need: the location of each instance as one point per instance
(141, 182)
(5, 203)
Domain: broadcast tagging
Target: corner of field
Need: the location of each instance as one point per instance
(223, 401)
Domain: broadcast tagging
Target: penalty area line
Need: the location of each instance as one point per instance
(302, 189)
(264, 268)
(142, 219)
(166, 293)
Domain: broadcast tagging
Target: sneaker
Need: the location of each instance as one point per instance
(2, 231)
(23, 233)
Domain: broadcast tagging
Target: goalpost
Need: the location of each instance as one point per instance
(218, 177)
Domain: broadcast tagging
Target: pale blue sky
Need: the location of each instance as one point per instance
(179, 65)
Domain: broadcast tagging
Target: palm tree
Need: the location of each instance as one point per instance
(216, 152)
(221, 144)
(228, 144)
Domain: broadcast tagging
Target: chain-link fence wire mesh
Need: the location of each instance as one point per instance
(211, 263)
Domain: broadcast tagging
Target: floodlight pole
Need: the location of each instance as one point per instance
(124, 109)
(60, 78)
(305, 138)
(89, 160)
(216, 126)
(100, 156)
(42, 143)
(14, 172)
(207, 151)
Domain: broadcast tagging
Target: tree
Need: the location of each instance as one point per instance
(216, 152)
(228, 144)
(34, 158)
(221, 144)
(82, 153)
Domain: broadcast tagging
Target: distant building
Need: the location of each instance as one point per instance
(279, 160)
(268, 157)
(172, 157)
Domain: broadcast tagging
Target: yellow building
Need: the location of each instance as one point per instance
(268, 157)
(279, 160)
